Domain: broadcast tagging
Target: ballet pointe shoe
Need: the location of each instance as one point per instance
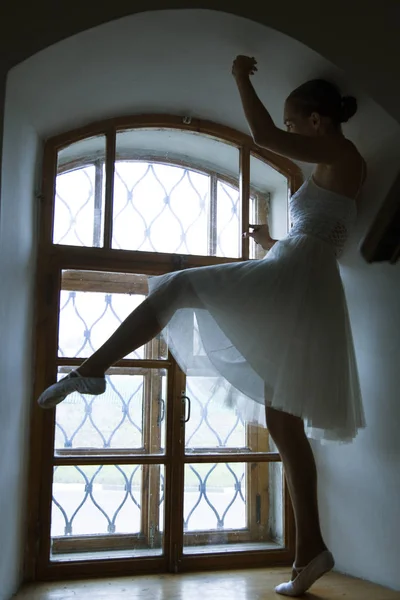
(306, 576)
(73, 382)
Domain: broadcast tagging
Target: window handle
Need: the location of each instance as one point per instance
(184, 398)
(161, 413)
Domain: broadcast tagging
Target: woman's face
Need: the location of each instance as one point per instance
(296, 122)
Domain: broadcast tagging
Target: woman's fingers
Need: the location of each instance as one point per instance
(244, 65)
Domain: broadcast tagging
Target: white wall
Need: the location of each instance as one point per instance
(17, 271)
(368, 52)
(359, 484)
(162, 62)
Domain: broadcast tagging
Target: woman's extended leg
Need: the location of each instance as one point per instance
(139, 327)
(142, 324)
(288, 433)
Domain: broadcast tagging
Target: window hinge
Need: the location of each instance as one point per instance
(39, 195)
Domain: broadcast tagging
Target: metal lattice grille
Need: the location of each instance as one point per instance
(228, 219)
(79, 206)
(113, 420)
(168, 208)
(90, 500)
(156, 208)
(215, 497)
(211, 425)
(87, 319)
(117, 418)
(160, 208)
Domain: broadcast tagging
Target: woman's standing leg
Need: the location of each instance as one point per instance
(288, 433)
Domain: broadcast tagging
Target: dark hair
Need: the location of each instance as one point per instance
(324, 98)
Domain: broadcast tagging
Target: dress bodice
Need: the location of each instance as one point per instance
(321, 213)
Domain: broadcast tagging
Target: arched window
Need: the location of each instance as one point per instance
(153, 470)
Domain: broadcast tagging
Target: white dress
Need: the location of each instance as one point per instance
(275, 331)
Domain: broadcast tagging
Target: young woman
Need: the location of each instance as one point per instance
(275, 331)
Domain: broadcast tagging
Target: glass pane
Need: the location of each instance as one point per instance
(80, 193)
(228, 220)
(107, 511)
(93, 304)
(268, 202)
(166, 196)
(130, 415)
(213, 427)
(233, 506)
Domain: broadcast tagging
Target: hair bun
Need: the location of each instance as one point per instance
(348, 108)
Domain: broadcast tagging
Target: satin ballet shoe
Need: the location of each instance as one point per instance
(73, 382)
(306, 576)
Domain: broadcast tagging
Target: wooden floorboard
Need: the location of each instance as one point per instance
(254, 584)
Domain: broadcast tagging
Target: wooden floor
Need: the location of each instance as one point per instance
(254, 584)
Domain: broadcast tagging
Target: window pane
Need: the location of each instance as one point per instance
(268, 202)
(160, 208)
(228, 220)
(130, 415)
(93, 304)
(211, 425)
(169, 195)
(233, 506)
(214, 427)
(98, 511)
(80, 193)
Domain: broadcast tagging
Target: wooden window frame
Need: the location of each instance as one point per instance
(52, 260)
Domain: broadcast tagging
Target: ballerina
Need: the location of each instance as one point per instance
(275, 330)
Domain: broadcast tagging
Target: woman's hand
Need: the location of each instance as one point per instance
(260, 235)
(244, 66)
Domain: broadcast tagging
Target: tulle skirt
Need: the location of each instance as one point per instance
(273, 332)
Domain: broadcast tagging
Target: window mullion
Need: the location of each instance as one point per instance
(98, 197)
(175, 469)
(257, 483)
(154, 430)
(110, 168)
(146, 472)
(212, 222)
(244, 186)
